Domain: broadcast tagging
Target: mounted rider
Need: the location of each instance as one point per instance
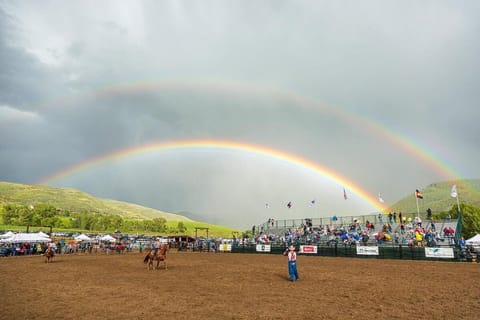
(52, 247)
(156, 246)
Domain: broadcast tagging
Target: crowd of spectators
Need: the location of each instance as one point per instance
(65, 247)
(396, 229)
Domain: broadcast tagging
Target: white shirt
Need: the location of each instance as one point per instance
(292, 256)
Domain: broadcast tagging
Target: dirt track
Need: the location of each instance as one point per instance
(236, 286)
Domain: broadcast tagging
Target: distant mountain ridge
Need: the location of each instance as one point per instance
(77, 201)
(436, 196)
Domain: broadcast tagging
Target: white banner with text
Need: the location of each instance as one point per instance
(308, 249)
(263, 248)
(367, 251)
(446, 253)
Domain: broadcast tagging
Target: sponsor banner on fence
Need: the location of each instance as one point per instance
(263, 248)
(446, 253)
(308, 249)
(367, 251)
(225, 247)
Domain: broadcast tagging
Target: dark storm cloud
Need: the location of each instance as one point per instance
(23, 80)
(71, 90)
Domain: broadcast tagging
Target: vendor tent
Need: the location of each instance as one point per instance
(108, 238)
(474, 241)
(9, 234)
(43, 234)
(26, 237)
(83, 237)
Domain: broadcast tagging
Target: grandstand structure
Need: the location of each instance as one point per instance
(324, 230)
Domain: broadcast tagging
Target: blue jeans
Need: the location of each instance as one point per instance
(292, 270)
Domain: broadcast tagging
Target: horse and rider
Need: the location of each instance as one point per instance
(50, 251)
(157, 252)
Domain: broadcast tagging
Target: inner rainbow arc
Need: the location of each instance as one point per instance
(219, 144)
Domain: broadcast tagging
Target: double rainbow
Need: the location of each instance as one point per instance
(219, 145)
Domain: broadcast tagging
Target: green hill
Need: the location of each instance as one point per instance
(77, 201)
(437, 197)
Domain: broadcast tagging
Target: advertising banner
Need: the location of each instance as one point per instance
(308, 249)
(367, 251)
(225, 247)
(263, 248)
(446, 253)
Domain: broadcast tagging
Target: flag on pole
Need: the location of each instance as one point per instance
(289, 205)
(418, 194)
(380, 199)
(454, 193)
(345, 194)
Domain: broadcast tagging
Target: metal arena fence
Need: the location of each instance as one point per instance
(351, 251)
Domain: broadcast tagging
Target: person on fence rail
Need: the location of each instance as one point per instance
(292, 263)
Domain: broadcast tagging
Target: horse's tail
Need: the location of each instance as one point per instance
(146, 258)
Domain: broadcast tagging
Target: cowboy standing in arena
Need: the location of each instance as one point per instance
(292, 262)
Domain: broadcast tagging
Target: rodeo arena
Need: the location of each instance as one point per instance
(383, 236)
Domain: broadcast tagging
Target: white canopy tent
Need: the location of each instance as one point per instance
(108, 238)
(8, 234)
(26, 237)
(43, 234)
(474, 241)
(83, 237)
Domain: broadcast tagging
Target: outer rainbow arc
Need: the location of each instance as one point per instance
(223, 144)
(377, 129)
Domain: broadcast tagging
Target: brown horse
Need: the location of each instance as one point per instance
(49, 255)
(161, 256)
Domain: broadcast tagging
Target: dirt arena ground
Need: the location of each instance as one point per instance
(236, 286)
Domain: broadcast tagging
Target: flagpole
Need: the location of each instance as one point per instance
(458, 203)
(458, 229)
(418, 210)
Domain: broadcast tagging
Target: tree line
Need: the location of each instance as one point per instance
(47, 215)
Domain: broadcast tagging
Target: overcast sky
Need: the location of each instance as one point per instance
(333, 82)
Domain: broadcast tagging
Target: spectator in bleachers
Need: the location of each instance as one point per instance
(418, 221)
(419, 238)
(430, 239)
(462, 244)
(380, 238)
(365, 238)
(402, 228)
(367, 225)
(396, 237)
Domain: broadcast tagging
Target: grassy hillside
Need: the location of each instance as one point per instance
(77, 201)
(437, 197)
